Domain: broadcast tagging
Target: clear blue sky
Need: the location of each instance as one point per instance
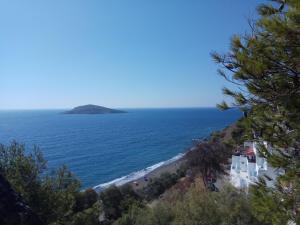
(125, 53)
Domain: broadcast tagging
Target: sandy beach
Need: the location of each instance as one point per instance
(141, 180)
(169, 168)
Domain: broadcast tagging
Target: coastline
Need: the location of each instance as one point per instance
(168, 168)
(136, 179)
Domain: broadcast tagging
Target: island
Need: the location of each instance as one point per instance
(92, 109)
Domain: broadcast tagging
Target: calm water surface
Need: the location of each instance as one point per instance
(100, 148)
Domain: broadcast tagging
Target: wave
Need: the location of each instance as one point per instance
(136, 175)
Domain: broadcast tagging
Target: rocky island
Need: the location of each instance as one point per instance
(92, 109)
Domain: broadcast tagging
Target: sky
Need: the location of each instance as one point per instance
(115, 53)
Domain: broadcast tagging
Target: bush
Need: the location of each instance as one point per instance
(53, 196)
(158, 186)
(117, 201)
(209, 158)
(85, 200)
(197, 206)
(89, 216)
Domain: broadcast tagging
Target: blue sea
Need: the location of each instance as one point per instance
(112, 147)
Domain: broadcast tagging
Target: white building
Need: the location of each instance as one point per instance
(247, 165)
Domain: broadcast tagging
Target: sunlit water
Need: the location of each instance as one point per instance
(101, 148)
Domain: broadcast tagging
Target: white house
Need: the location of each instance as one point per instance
(247, 165)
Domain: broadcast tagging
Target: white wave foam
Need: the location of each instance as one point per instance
(135, 175)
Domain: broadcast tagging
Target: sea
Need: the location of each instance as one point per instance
(109, 149)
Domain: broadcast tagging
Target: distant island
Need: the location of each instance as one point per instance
(92, 109)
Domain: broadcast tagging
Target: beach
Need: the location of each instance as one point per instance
(140, 178)
(168, 168)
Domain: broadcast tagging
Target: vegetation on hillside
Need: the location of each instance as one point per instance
(54, 196)
(197, 206)
(210, 158)
(158, 185)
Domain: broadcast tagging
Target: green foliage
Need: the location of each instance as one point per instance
(85, 200)
(130, 217)
(237, 135)
(111, 200)
(89, 216)
(223, 106)
(161, 214)
(209, 158)
(265, 67)
(181, 171)
(52, 196)
(159, 185)
(198, 206)
(20, 169)
(118, 200)
(267, 205)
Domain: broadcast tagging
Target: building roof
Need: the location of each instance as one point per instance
(249, 151)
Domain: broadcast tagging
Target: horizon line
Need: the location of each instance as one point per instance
(150, 107)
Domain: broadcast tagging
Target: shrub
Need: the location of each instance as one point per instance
(85, 200)
(197, 206)
(159, 185)
(117, 201)
(53, 196)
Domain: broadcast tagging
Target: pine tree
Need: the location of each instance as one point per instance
(265, 67)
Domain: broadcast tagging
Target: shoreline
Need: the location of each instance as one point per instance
(168, 168)
(138, 177)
